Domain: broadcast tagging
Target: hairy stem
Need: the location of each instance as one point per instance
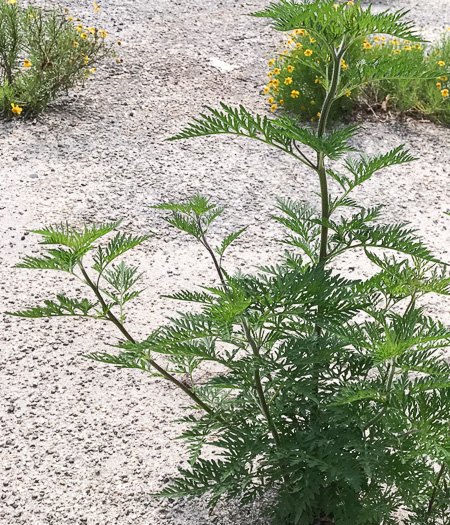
(321, 170)
(153, 363)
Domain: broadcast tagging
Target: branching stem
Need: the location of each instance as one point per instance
(125, 332)
(254, 347)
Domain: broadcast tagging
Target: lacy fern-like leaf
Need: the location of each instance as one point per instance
(321, 18)
(120, 244)
(63, 307)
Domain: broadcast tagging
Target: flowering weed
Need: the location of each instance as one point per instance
(43, 55)
(296, 76)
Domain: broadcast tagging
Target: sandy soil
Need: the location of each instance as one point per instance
(82, 443)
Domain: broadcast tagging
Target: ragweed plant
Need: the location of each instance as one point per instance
(295, 77)
(43, 55)
(333, 397)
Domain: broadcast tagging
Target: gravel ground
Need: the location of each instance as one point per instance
(82, 443)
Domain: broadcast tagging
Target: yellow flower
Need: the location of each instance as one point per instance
(295, 93)
(270, 100)
(367, 45)
(103, 33)
(86, 59)
(317, 81)
(407, 48)
(91, 30)
(84, 35)
(94, 69)
(273, 108)
(70, 19)
(290, 68)
(383, 38)
(377, 39)
(271, 62)
(288, 81)
(444, 78)
(312, 40)
(277, 71)
(439, 85)
(275, 90)
(27, 63)
(319, 114)
(348, 93)
(289, 42)
(15, 109)
(267, 90)
(299, 45)
(441, 63)
(308, 53)
(350, 3)
(335, 6)
(445, 93)
(312, 102)
(397, 51)
(344, 65)
(270, 73)
(79, 27)
(275, 82)
(281, 102)
(12, 2)
(96, 7)
(75, 44)
(298, 31)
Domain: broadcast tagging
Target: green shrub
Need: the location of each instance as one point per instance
(295, 77)
(43, 54)
(334, 395)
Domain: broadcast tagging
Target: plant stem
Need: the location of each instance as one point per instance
(435, 489)
(381, 413)
(255, 349)
(259, 388)
(153, 363)
(321, 169)
(322, 172)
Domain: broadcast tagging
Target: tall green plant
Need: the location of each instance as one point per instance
(334, 397)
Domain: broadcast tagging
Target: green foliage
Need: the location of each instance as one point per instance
(333, 394)
(409, 76)
(43, 54)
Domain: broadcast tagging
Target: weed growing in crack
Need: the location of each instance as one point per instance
(335, 395)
